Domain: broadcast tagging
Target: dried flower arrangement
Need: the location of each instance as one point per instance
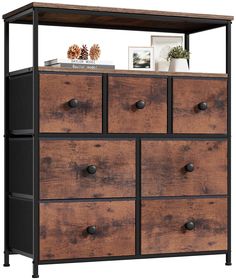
(75, 52)
(84, 52)
(95, 52)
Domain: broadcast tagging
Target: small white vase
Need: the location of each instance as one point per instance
(178, 65)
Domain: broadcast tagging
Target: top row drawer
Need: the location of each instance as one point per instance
(73, 103)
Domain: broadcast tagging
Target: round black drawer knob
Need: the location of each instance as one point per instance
(189, 167)
(91, 229)
(91, 169)
(189, 225)
(202, 106)
(140, 104)
(73, 103)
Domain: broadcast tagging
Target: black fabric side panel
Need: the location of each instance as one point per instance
(21, 166)
(21, 225)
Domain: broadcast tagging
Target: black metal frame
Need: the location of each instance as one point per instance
(187, 43)
(136, 136)
(6, 146)
(138, 199)
(228, 71)
(36, 147)
(135, 257)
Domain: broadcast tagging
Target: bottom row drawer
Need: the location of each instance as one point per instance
(87, 229)
(184, 225)
(97, 229)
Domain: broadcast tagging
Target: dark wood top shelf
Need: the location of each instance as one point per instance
(120, 72)
(116, 18)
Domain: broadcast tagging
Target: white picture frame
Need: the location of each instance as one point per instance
(162, 45)
(141, 58)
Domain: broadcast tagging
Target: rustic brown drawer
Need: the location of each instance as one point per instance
(190, 99)
(70, 103)
(175, 168)
(87, 229)
(126, 112)
(67, 168)
(183, 225)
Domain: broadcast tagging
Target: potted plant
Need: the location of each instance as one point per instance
(178, 59)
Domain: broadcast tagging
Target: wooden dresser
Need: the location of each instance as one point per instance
(116, 164)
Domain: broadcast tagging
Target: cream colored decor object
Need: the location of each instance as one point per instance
(178, 65)
(162, 45)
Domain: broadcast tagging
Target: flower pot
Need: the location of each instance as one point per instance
(178, 65)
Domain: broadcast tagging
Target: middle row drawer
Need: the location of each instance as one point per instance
(107, 168)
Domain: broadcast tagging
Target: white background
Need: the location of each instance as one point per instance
(207, 50)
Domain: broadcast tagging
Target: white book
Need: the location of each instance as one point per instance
(83, 66)
(76, 61)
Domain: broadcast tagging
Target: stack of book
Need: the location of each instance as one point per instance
(80, 64)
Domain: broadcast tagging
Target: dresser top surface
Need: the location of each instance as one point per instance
(119, 18)
(118, 10)
(44, 69)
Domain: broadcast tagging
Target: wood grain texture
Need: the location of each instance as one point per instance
(187, 94)
(122, 21)
(115, 10)
(163, 172)
(63, 166)
(135, 72)
(123, 116)
(63, 229)
(163, 229)
(57, 90)
(44, 69)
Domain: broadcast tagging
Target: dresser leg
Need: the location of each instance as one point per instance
(228, 259)
(6, 258)
(35, 270)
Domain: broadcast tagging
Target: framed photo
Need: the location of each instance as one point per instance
(162, 46)
(141, 58)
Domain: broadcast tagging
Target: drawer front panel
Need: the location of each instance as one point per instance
(87, 169)
(70, 103)
(184, 225)
(87, 229)
(126, 115)
(199, 106)
(167, 168)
